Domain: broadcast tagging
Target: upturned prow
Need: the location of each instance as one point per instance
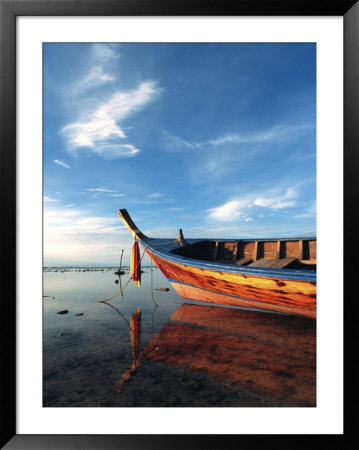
(127, 220)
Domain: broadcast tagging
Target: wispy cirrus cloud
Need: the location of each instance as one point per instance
(155, 195)
(61, 163)
(217, 158)
(98, 69)
(101, 189)
(276, 133)
(308, 212)
(118, 195)
(96, 76)
(114, 151)
(99, 131)
(105, 53)
(176, 143)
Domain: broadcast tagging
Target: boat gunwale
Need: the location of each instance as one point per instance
(167, 247)
(265, 272)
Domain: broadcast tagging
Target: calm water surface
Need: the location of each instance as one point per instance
(188, 353)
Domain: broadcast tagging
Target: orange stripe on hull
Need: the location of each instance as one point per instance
(290, 296)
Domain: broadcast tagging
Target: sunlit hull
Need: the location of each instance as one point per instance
(261, 284)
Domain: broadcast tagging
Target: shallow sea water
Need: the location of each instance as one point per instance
(189, 353)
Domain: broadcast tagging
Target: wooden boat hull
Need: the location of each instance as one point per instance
(237, 289)
(265, 286)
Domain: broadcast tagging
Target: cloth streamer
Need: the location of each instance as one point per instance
(136, 264)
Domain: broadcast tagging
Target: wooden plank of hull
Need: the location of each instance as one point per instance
(290, 296)
(274, 263)
(263, 365)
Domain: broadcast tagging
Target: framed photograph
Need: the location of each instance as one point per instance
(233, 126)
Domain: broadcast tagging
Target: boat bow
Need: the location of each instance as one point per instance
(271, 274)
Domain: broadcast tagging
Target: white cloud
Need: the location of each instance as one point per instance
(61, 163)
(229, 211)
(278, 201)
(104, 53)
(102, 191)
(99, 190)
(99, 131)
(94, 77)
(113, 151)
(99, 127)
(155, 195)
(272, 199)
(49, 199)
(95, 73)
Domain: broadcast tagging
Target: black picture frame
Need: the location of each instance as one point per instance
(9, 10)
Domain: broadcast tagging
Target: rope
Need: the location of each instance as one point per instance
(123, 317)
(153, 299)
(139, 262)
(124, 287)
(164, 243)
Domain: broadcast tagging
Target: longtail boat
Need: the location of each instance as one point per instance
(267, 274)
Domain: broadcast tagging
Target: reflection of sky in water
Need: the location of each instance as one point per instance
(84, 366)
(85, 357)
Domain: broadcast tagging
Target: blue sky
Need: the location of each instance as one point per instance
(216, 139)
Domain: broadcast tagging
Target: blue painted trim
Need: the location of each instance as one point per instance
(163, 247)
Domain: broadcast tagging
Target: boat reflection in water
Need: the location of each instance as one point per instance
(134, 326)
(265, 353)
(135, 333)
